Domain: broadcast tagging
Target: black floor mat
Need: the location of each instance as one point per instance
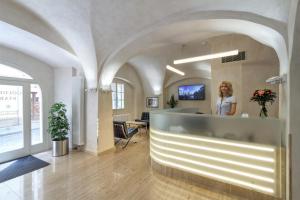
(20, 167)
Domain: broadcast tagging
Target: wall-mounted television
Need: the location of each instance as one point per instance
(191, 92)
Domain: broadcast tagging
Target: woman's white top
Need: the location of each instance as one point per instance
(224, 105)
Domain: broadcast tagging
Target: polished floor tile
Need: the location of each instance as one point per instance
(121, 175)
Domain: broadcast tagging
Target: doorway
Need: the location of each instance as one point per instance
(14, 132)
(21, 131)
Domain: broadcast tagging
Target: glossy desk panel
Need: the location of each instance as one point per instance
(185, 121)
(245, 152)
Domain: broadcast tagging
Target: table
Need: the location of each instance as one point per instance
(138, 124)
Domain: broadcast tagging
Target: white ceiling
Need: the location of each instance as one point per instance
(37, 47)
(92, 33)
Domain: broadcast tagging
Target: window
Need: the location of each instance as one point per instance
(117, 95)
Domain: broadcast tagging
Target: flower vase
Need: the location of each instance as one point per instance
(263, 111)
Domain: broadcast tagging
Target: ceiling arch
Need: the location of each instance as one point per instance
(266, 31)
(35, 46)
(190, 75)
(125, 80)
(11, 72)
(100, 31)
(19, 16)
(24, 31)
(72, 19)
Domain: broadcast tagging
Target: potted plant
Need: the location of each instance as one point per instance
(172, 102)
(58, 129)
(263, 96)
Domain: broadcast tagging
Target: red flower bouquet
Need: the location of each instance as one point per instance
(262, 97)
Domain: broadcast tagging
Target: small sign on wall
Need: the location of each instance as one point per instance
(152, 102)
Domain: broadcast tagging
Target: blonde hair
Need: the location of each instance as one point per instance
(228, 85)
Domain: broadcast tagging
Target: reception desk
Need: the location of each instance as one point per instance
(242, 152)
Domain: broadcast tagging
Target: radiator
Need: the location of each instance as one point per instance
(78, 111)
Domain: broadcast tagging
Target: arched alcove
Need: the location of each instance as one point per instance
(134, 97)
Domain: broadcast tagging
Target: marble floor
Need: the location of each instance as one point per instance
(121, 175)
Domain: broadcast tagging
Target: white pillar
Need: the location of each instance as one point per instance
(294, 129)
(91, 120)
(105, 123)
(294, 100)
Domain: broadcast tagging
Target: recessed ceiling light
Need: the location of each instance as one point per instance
(175, 70)
(207, 57)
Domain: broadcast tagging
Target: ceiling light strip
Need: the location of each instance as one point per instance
(254, 157)
(216, 176)
(268, 149)
(224, 169)
(265, 169)
(207, 57)
(175, 70)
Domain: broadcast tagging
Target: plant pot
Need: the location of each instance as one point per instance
(60, 148)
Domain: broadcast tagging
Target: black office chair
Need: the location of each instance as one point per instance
(121, 132)
(144, 118)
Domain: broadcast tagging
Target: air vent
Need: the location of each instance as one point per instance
(240, 56)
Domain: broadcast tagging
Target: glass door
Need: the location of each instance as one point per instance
(14, 125)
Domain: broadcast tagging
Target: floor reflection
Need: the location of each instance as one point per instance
(122, 175)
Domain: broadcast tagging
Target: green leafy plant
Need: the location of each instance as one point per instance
(172, 102)
(58, 125)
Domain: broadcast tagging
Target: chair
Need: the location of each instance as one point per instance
(144, 118)
(122, 132)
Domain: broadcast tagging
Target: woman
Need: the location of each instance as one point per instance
(226, 103)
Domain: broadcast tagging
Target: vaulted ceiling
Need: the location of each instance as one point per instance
(99, 36)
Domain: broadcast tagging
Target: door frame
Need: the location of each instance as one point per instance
(26, 150)
(29, 149)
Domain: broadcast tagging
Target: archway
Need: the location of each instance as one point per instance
(265, 34)
(21, 115)
(260, 29)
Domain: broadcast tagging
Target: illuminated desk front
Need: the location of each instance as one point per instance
(244, 152)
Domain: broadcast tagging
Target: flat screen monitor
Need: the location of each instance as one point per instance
(191, 92)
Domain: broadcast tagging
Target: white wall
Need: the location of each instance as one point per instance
(130, 105)
(99, 113)
(246, 76)
(63, 93)
(91, 121)
(294, 127)
(293, 102)
(134, 94)
(251, 82)
(99, 122)
(203, 105)
(105, 125)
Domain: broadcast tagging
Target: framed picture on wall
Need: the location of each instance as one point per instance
(152, 102)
